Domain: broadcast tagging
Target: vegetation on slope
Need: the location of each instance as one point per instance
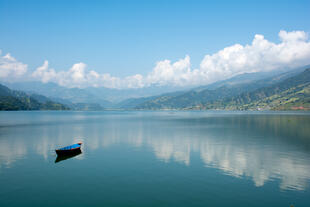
(289, 94)
(11, 100)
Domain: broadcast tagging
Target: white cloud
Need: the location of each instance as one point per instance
(166, 72)
(10, 68)
(261, 55)
(78, 76)
(293, 36)
(293, 50)
(44, 74)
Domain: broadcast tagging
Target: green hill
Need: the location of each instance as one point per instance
(290, 94)
(282, 92)
(11, 100)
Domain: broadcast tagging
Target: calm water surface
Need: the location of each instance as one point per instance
(155, 159)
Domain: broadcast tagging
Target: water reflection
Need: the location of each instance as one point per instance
(68, 156)
(262, 147)
(11, 151)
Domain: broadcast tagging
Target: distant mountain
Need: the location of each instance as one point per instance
(153, 98)
(290, 94)
(134, 102)
(248, 78)
(105, 97)
(69, 96)
(18, 100)
(234, 96)
(117, 96)
(223, 89)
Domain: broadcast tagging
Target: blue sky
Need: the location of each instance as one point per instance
(124, 38)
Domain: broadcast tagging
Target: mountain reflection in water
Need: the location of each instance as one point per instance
(261, 147)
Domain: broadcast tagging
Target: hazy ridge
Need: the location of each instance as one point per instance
(19, 100)
(286, 90)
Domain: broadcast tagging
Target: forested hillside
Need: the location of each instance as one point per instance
(278, 93)
(18, 100)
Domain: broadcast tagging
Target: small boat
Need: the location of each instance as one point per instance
(72, 149)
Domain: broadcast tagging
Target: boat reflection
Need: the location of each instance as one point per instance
(259, 147)
(68, 156)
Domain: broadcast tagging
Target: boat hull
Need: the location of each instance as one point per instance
(68, 152)
(72, 149)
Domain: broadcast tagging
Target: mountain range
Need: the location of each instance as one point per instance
(236, 93)
(277, 90)
(19, 100)
(102, 97)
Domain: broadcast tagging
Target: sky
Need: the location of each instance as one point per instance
(136, 44)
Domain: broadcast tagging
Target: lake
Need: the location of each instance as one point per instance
(164, 158)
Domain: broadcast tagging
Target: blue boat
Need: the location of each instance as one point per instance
(72, 149)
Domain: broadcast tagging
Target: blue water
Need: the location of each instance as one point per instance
(155, 159)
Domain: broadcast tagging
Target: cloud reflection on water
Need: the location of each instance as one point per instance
(257, 147)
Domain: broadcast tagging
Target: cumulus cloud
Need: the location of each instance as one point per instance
(261, 55)
(10, 68)
(293, 50)
(166, 72)
(43, 73)
(79, 76)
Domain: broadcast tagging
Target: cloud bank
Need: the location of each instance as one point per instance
(261, 55)
(10, 68)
